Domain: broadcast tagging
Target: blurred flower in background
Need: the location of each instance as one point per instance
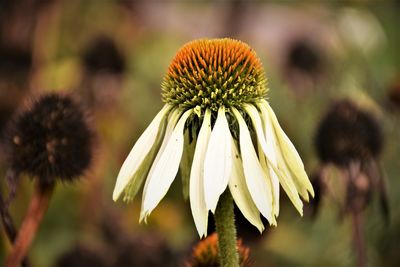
(305, 65)
(81, 256)
(104, 66)
(40, 143)
(352, 140)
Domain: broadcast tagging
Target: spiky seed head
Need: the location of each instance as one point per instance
(348, 133)
(205, 253)
(210, 73)
(50, 140)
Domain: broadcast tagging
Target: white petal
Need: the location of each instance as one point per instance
(196, 184)
(165, 169)
(284, 175)
(139, 152)
(264, 165)
(218, 161)
(240, 193)
(172, 120)
(260, 190)
(266, 141)
(291, 157)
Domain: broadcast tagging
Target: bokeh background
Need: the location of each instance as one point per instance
(113, 56)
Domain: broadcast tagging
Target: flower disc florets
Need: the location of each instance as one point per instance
(205, 253)
(50, 140)
(213, 73)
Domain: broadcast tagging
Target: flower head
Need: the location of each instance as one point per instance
(348, 133)
(205, 253)
(351, 138)
(215, 111)
(102, 56)
(208, 74)
(304, 57)
(50, 140)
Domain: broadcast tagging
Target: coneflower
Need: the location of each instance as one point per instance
(304, 57)
(102, 55)
(347, 134)
(205, 253)
(50, 141)
(351, 139)
(104, 65)
(305, 64)
(215, 96)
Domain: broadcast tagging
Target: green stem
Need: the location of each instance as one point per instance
(225, 224)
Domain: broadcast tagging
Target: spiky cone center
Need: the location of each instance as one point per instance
(50, 140)
(205, 253)
(214, 73)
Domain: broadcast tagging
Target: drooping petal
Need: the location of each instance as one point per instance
(292, 157)
(259, 189)
(196, 184)
(240, 193)
(218, 161)
(285, 178)
(264, 165)
(166, 168)
(138, 154)
(266, 140)
(136, 182)
(172, 121)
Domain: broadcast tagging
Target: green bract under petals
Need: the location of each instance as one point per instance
(219, 130)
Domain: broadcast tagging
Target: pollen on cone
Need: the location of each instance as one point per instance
(215, 72)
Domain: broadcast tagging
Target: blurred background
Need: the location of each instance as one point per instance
(113, 56)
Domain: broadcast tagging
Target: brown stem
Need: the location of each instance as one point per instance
(358, 239)
(34, 215)
(7, 220)
(9, 227)
(354, 173)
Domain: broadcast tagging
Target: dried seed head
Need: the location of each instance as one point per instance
(213, 73)
(348, 133)
(50, 140)
(102, 55)
(305, 57)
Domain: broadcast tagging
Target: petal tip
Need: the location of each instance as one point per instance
(311, 191)
(116, 195)
(143, 216)
(301, 212)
